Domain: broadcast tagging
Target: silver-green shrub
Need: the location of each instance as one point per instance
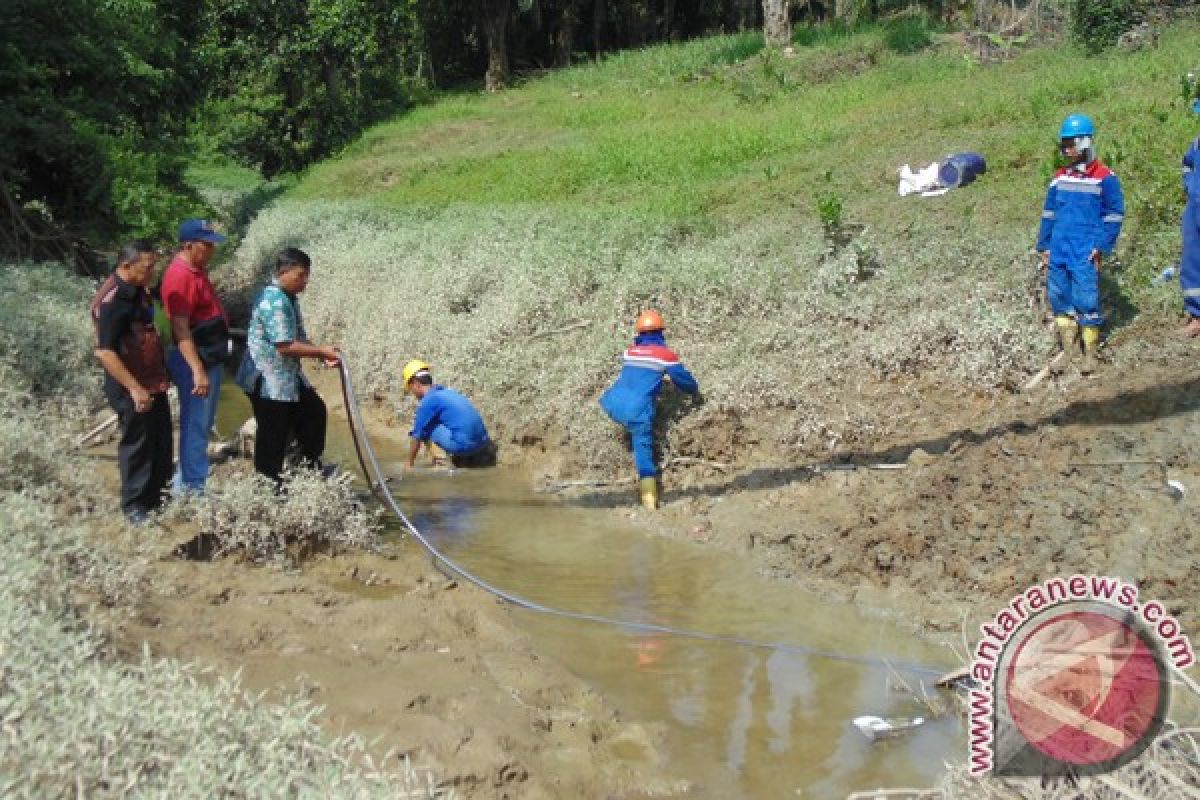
(242, 513)
(527, 310)
(40, 458)
(46, 334)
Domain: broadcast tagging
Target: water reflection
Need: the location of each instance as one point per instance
(742, 723)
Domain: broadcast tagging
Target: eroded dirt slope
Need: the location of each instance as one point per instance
(993, 497)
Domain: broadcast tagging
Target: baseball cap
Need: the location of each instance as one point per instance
(198, 230)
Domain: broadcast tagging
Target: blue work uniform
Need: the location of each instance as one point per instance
(1189, 263)
(448, 419)
(630, 400)
(1083, 212)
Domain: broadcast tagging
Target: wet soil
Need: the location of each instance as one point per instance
(396, 652)
(995, 493)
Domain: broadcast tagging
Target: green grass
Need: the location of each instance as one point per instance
(697, 132)
(223, 176)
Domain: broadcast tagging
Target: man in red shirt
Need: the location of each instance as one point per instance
(200, 331)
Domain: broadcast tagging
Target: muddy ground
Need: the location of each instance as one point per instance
(997, 492)
(396, 652)
(991, 499)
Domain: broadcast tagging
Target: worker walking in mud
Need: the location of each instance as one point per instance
(445, 422)
(1189, 262)
(630, 401)
(1081, 220)
(135, 379)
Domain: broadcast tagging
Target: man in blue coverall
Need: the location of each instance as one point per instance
(1081, 220)
(1189, 263)
(445, 419)
(630, 400)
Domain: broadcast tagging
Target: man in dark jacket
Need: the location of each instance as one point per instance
(630, 401)
(135, 380)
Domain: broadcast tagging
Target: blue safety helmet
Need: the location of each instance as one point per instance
(1076, 125)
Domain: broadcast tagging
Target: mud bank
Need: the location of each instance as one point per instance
(996, 492)
(423, 667)
(393, 650)
(994, 496)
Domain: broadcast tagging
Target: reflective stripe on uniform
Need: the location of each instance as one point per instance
(1079, 186)
(1047, 215)
(1192, 292)
(1113, 217)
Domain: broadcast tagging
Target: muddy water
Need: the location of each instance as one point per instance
(732, 721)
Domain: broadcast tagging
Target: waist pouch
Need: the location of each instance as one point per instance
(211, 338)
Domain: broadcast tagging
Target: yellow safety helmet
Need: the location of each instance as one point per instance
(412, 368)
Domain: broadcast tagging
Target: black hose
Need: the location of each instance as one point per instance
(378, 485)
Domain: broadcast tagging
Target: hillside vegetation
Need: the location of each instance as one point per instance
(751, 196)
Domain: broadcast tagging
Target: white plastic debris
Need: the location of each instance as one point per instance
(924, 182)
(876, 728)
(1176, 488)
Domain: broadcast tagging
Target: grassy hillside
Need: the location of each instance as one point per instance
(687, 132)
(475, 231)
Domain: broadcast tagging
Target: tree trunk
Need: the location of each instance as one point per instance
(776, 27)
(747, 14)
(494, 16)
(599, 26)
(668, 22)
(564, 35)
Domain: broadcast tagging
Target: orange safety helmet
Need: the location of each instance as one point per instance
(649, 320)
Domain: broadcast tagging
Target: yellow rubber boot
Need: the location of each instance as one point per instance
(648, 489)
(1091, 341)
(1068, 333)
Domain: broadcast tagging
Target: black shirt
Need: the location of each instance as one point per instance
(124, 316)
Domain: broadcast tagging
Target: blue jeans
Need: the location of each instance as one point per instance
(197, 415)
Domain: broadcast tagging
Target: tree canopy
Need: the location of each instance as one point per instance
(106, 102)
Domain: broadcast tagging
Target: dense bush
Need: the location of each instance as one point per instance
(292, 82)
(95, 98)
(907, 34)
(1097, 24)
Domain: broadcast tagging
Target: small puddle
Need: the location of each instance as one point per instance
(737, 722)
